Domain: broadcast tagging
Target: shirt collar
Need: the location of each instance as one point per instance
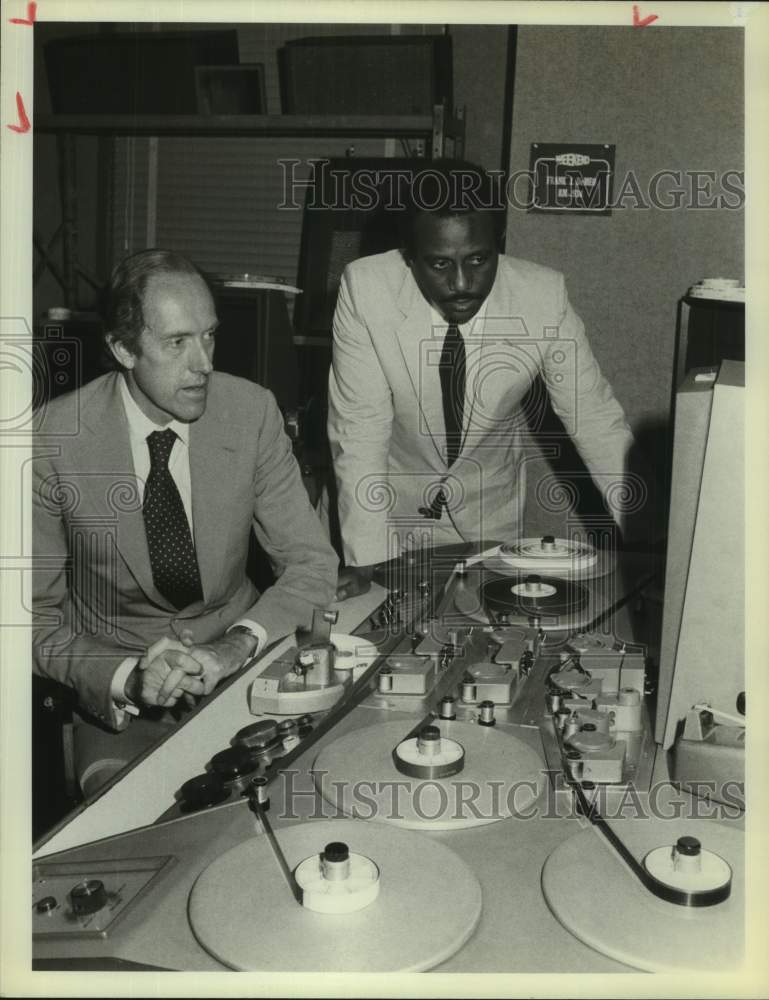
(464, 328)
(139, 424)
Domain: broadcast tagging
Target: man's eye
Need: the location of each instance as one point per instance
(210, 336)
(440, 265)
(478, 260)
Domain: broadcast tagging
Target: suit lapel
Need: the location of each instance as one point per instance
(484, 344)
(212, 468)
(112, 484)
(484, 340)
(107, 453)
(421, 352)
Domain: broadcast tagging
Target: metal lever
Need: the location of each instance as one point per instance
(259, 803)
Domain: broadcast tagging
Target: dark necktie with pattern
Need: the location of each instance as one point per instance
(452, 371)
(169, 540)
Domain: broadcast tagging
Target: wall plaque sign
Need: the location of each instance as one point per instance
(571, 177)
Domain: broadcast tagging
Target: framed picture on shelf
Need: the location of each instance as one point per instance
(231, 90)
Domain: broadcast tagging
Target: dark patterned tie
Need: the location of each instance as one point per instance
(169, 540)
(452, 371)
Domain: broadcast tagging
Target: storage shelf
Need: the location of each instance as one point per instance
(412, 126)
(433, 129)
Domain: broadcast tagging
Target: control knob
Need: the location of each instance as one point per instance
(88, 896)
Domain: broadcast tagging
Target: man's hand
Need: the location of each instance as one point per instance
(220, 658)
(354, 580)
(164, 674)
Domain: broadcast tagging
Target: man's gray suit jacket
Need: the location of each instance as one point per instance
(94, 601)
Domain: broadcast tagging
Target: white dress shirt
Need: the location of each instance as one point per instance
(139, 429)
(441, 324)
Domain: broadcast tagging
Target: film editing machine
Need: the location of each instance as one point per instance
(466, 771)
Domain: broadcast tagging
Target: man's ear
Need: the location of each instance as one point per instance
(120, 352)
(407, 258)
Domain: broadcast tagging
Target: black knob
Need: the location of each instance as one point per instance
(688, 846)
(202, 792)
(336, 851)
(589, 727)
(258, 735)
(232, 763)
(548, 539)
(533, 578)
(741, 702)
(46, 905)
(429, 733)
(88, 897)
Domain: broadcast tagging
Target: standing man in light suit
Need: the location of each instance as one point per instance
(435, 347)
(142, 518)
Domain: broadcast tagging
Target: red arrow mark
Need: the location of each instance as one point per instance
(29, 19)
(23, 125)
(639, 22)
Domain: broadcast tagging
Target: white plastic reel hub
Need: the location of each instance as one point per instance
(337, 881)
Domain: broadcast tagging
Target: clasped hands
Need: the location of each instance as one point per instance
(174, 669)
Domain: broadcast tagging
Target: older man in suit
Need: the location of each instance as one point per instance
(142, 520)
(435, 347)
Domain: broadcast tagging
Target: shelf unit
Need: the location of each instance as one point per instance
(435, 131)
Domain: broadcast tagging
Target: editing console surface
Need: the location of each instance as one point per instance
(468, 783)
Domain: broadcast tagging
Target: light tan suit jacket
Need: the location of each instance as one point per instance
(386, 424)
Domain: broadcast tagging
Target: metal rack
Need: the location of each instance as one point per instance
(434, 131)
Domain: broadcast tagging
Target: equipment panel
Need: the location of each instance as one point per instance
(462, 767)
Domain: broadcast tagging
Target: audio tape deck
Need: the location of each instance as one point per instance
(486, 721)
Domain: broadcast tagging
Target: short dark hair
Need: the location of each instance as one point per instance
(123, 300)
(448, 187)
